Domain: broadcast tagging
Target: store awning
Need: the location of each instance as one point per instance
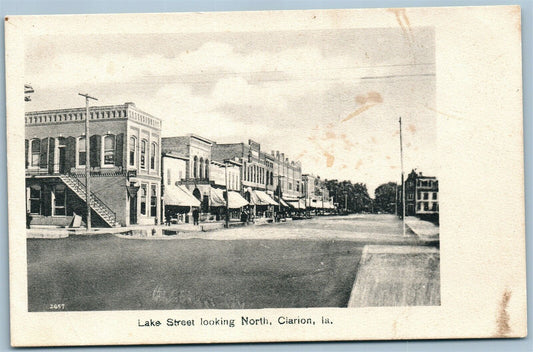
(180, 196)
(283, 202)
(216, 198)
(261, 198)
(236, 200)
(312, 203)
(294, 205)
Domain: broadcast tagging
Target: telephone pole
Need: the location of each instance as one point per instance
(227, 193)
(87, 159)
(403, 183)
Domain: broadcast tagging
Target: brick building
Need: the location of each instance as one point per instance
(421, 196)
(257, 174)
(124, 165)
(288, 180)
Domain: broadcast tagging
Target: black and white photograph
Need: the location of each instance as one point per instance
(235, 169)
(232, 170)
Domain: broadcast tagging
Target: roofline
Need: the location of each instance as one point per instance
(176, 156)
(94, 107)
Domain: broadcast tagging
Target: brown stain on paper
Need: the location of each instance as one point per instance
(366, 102)
(405, 25)
(330, 159)
(502, 321)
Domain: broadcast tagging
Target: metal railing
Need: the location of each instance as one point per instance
(93, 197)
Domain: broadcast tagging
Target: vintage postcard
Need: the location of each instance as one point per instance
(311, 175)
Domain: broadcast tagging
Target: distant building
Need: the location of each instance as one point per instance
(288, 175)
(196, 152)
(257, 174)
(199, 174)
(124, 165)
(421, 196)
(316, 193)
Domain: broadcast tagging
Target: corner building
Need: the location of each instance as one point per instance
(124, 166)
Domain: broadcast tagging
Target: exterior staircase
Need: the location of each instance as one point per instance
(97, 205)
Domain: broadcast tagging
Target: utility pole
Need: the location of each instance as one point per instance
(227, 192)
(87, 159)
(403, 183)
(396, 199)
(346, 201)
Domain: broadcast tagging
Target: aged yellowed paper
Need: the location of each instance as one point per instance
(311, 175)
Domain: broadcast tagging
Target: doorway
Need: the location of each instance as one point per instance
(133, 210)
(62, 160)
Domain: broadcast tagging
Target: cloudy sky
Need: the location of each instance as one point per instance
(330, 98)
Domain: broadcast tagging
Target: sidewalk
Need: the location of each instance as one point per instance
(423, 229)
(397, 276)
(134, 230)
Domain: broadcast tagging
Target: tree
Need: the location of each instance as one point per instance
(385, 197)
(353, 197)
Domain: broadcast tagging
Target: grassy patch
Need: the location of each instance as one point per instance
(108, 273)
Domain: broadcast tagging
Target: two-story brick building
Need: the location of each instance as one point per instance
(124, 150)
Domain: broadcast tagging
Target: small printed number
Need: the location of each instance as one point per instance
(57, 306)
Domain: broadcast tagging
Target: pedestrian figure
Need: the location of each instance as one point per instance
(28, 219)
(168, 218)
(195, 216)
(244, 217)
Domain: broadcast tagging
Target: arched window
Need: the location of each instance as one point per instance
(132, 152)
(143, 153)
(35, 152)
(109, 150)
(153, 153)
(82, 152)
(201, 172)
(206, 169)
(195, 167)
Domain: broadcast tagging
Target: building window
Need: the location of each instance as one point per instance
(201, 168)
(419, 206)
(434, 195)
(109, 150)
(59, 200)
(35, 152)
(206, 168)
(143, 153)
(82, 152)
(409, 196)
(153, 153)
(153, 201)
(143, 198)
(425, 195)
(35, 200)
(195, 167)
(434, 207)
(168, 177)
(133, 146)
